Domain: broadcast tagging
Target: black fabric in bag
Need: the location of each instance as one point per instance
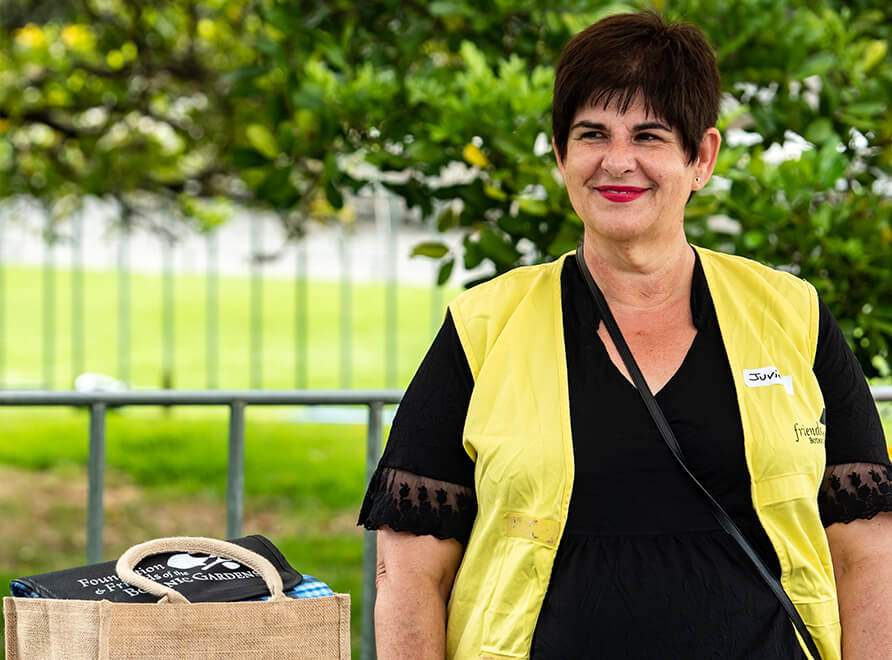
(200, 578)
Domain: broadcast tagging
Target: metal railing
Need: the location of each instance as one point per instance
(99, 402)
(237, 400)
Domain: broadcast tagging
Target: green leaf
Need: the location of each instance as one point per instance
(817, 65)
(447, 220)
(245, 158)
(753, 239)
(245, 73)
(445, 271)
(874, 53)
(498, 248)
(275, 185)
(532, 206)
(262, 139)
(819, 131)
(430, 249)
(333, 195)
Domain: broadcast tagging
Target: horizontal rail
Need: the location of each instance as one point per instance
(200, 397)
(228, 397)
(881, 392)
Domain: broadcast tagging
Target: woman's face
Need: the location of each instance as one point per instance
(628, 176)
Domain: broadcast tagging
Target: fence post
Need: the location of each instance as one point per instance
(167, 307)
(301, 315)
(3, 383)
(212, 307)
(95, 483)
(235, 472)
(384, 221)
(124, 299)
(77, 295)
(369, 550)
(346, 309)
(257, 257)
(48, 359)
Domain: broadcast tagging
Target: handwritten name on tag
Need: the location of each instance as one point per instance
(767, 376)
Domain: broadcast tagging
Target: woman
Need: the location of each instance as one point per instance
(526, 503)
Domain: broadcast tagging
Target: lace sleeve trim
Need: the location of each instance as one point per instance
(408, 502)
(852, 491)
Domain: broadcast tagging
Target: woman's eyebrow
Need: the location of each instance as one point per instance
(651, 125)
(585, 123)
(646, 126)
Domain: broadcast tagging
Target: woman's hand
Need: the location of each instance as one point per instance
(414, 580)
(862, 562)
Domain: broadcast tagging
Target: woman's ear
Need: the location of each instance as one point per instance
(557, 155)
(707, 155)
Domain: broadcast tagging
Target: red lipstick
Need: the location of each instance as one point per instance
(620, 193)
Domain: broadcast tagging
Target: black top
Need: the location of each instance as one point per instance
(643, 570)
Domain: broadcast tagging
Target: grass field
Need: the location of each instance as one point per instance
(23, 358)
(166, 469)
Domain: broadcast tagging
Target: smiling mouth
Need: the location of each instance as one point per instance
(620, 193)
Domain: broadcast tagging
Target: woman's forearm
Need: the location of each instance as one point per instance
(414, 580)
(865, 610)
(862, 563)
(410, 620)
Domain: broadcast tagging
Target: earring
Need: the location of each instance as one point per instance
(697, 179)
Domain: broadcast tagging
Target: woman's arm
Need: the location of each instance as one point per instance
(414, 580)
(862, 561)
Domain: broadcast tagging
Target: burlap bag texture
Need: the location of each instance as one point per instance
(38, 629)
(53, 629)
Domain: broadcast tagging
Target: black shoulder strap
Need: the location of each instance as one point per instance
(666, 431)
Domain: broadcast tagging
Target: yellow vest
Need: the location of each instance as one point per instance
(518, 433)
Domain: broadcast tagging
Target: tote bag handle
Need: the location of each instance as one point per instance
(132, 557)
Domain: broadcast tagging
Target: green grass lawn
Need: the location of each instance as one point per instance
(24, 360)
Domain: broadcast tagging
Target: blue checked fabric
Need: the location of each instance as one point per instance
(310, 587)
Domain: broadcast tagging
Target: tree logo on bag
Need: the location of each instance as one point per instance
(187, 561)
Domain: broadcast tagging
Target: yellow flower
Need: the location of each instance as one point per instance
(475, 156)
(30, 36)
(76, 36)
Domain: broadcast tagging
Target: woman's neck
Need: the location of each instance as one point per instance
(641, 278)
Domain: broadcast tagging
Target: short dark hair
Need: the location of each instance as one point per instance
(672, 66)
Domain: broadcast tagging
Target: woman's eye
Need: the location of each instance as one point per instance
(591, 135)
(647, 137)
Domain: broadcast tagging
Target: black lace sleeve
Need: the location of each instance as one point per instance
(408, 502)
(854, 490)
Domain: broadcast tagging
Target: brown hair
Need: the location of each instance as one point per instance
(672, 66)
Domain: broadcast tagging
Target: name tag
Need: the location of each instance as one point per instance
(767, 376)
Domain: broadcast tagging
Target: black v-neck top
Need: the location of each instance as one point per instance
(643, 569)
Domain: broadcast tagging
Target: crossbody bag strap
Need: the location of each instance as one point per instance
(666, 431)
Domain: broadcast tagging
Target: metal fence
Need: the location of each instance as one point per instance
(236, 401)
(255, 248)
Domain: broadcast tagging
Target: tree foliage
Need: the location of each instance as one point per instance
(193, 105)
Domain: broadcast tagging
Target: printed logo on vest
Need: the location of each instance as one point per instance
(767, 376)
(814, 434)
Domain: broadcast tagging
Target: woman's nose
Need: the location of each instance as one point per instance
(618, 158)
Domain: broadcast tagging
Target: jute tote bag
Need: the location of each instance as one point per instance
(281, 627)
